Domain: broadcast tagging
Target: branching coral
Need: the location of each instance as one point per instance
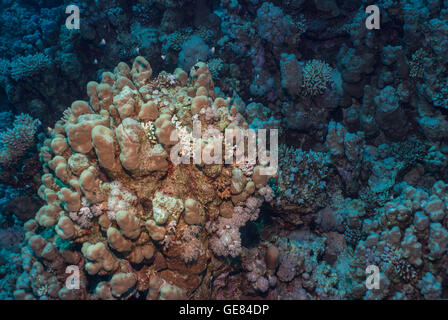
(15, 141)
(23, 67)
(301, 178)
(417, 63)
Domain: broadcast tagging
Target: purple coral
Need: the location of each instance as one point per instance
(317, 77)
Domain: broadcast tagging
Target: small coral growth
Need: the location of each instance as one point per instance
(15, 141)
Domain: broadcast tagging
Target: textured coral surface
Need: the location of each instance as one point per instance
(103, 194)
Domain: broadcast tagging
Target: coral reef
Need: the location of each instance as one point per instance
(108, 163)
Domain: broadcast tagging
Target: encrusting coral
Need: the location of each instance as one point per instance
(116, 205)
